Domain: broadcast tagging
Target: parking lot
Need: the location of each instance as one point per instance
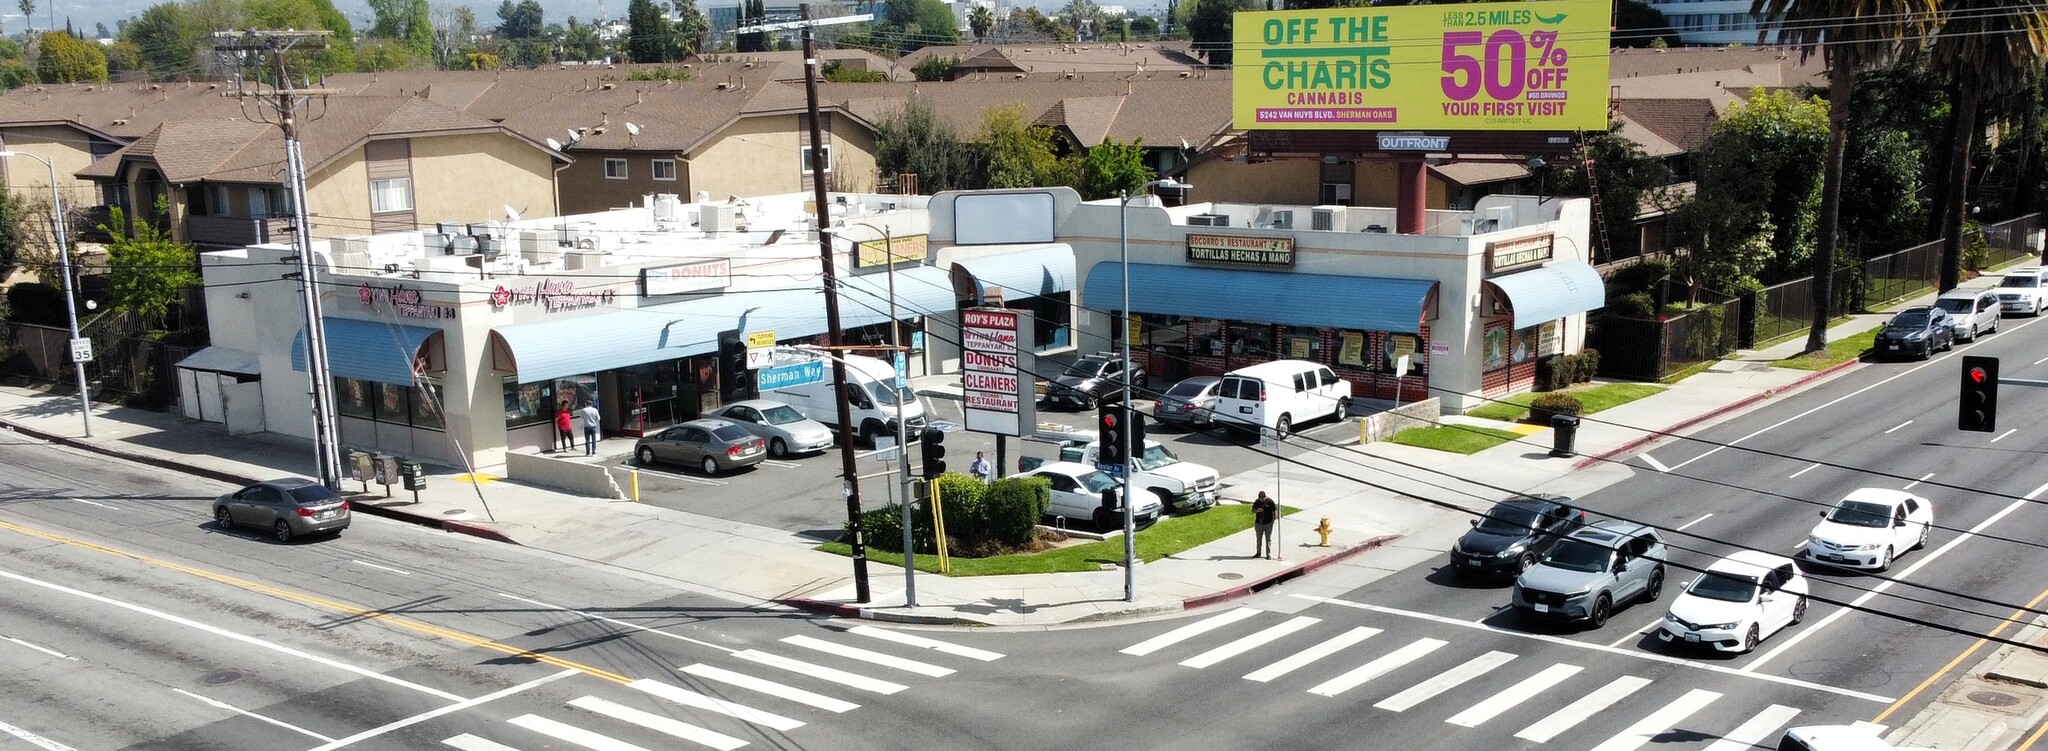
(801, 494)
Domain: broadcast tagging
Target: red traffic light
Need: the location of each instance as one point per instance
(1109, 421)
(1977, 375)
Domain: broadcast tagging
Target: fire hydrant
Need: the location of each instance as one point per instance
(1324, 529)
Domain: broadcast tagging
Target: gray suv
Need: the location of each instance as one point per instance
(1583, 578)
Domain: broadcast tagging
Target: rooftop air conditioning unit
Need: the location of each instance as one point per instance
(714, 218)
(488, 246)
(1503, 217)
(460, 245)
(1283, 219)
(448, 228)
(1209, 220)
(1327, 219)
(434, 241)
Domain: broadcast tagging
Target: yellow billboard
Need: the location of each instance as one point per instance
(1474, 66)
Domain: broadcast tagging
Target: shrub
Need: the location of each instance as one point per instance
(962, 500)
(36, 302)
(1633, 305)
(1641, 276)
(1554, 403)
(1556, 372)
(1587, 365)
(1013, 506)
(884, 528)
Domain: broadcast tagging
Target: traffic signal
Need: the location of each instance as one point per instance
(732, 365)
(1137, 434)
(1977, 409)
(1109, 448)
(932, 445)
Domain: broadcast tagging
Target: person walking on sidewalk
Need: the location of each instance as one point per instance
(565, 431)
(981, 469)
(1264, 513)
(590, 428)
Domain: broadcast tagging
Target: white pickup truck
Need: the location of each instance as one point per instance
(1185, 487)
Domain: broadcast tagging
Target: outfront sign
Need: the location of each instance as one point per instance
(1476, 66)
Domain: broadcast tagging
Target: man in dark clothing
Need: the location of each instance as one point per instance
(1264, 513)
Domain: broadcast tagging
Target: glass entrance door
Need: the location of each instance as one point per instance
(651, 393)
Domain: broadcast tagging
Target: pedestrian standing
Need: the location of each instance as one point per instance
(565, 433)
(590, 428)
(981, 468)
(1264, 513)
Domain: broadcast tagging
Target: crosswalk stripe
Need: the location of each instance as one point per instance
(690, 698)
(468, 742)
(1444, 681)
(1543, 730)
(1493, 705)
(1189, 631)
(1378, 667)
(655, 722)
(1246, 644)
(1302, 658)
(769, 687)
(1756, 729)
(1659, 722)
(572, 734)
(924, 643)
(820, 672)
(868, 656)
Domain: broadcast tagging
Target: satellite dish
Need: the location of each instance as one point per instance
(575, 135)
(554, 144)
(511, 214)
(632, 130)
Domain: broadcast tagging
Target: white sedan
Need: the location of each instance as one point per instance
(1077, 496)
(1869, 528)
(1739, 601)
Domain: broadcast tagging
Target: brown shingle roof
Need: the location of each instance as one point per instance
(1681, 122)
(187, 150)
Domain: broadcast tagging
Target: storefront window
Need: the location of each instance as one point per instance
(390, 402)
(426, 406)
(523, 403)
(1495, 348)
(1251, 341)
(1351, 349)
(353, 398)
(1396, 345)
(1205, 337)
(1527, 342)
(1303, 343)
(393, 403)
(1051, 318)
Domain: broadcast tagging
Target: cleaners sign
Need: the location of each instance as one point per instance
(1473, 66)
(995, 372)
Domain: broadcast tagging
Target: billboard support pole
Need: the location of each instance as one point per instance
(1411, 202)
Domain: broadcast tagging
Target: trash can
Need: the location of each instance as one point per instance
(1564, 434)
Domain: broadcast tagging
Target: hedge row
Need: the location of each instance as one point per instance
(980, 518)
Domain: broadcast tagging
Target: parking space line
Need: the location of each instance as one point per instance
(96, 503)
(1809, 468)
(1652, 461)
(781, 463)
(2042, 360)
(1923, 478)
(675, 475)
(450, 709)
(2001, 436)
(1695, 521)
(368, 564)
(1895, 428)
(218, 704)
(44, 650)
(35, 740)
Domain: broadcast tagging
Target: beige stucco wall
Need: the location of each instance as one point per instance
(67, 148)
(758, 156)
(1298, 182)
(473, 177)
(338, 197)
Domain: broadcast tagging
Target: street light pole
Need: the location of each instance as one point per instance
(1124, 410)
(70, 299)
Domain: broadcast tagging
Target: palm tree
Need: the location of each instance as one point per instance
(1849, 35)
(1990, 48)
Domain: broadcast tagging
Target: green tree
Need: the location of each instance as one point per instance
(980, 21)
(1110, 169)
(1727, 244)
(648, 37)
(1018, 154)
(167, 39)
(123, 56)
(935, 68)
(1145, 28)
(67, 59)
(523, 20)
(689, 28)
(1990, 49)
(836, 72)
(28, 15)
(14, 234)
(375, 55)
(147, 271)
(1767, 154)
(755, 11)
(1626, 176)
(913, 140)
(15, 74)
(475, 60)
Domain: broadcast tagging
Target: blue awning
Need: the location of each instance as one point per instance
(367, 350)
(624, 338)
(1554, 291)
(1291, 299)
(1028, 271)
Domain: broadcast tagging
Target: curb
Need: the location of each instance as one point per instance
(1745, 402)
(850, 610)
(1290, 572)
(476, 530)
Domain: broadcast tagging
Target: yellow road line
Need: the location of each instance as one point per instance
(2002, 626)
(2035, 737)
(349, 610)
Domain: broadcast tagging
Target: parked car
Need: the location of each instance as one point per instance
(1190, 402)
(786, 430)
(1077, 496)
(1918, 332)
(2023, 290)
(1514, 534)
(1091, 378)
(1596, 569)
(289, 508)
(1971, 312)
(710, 444)
(1183, 487)
(1737, 602)
(1868, 528)
(1273, 397)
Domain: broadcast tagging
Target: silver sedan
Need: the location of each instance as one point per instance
(287, 508)
(709, 444)
(786, 430)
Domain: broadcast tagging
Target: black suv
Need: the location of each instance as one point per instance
(1090, 379)
(1514, 534)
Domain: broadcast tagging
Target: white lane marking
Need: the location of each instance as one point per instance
(1493, 705)
(1825, 405)
(1896, 427)
(1586, 706)
(44, 650)
(912, 640)
(1637, 634)
(1857, 604)
(1683, 527)
(1659, 722)
(572, 734)
(1384, 664)
(35, 740)
(96, 503)
(1300, 659)
(690, 698)
(768, 687)
(368, 564)
(1444, 681)
(780, 463)
(450, 709)
(1189, 631)
(1752, 732)
(218, 704)
(468, 742)
(1923, 478)
(1644, 656)
(652, 721)
(675, 475)
(1246, 644)
(619, 623)
(1809, 468)
(868, 656)
(2042, 360)
(2001, 436)
(226, 634)
(820, 672)
(1652, 461)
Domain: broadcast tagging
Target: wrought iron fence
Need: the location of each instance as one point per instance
(1652, 349)
(125, 365)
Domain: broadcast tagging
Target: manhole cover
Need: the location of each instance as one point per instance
(1993, 698)
(219, 677)
(455, 512)
(1228, 576)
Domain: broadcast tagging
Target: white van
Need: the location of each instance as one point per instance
(872, 399)
(1275, 396)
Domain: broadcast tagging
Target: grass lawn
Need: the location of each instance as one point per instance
(1604, 396)
(1839, 351)
(1170, 536)
(1462, 439)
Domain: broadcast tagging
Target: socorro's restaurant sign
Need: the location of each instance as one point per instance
(556, 296)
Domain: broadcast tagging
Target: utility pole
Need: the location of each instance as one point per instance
(326, 441)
